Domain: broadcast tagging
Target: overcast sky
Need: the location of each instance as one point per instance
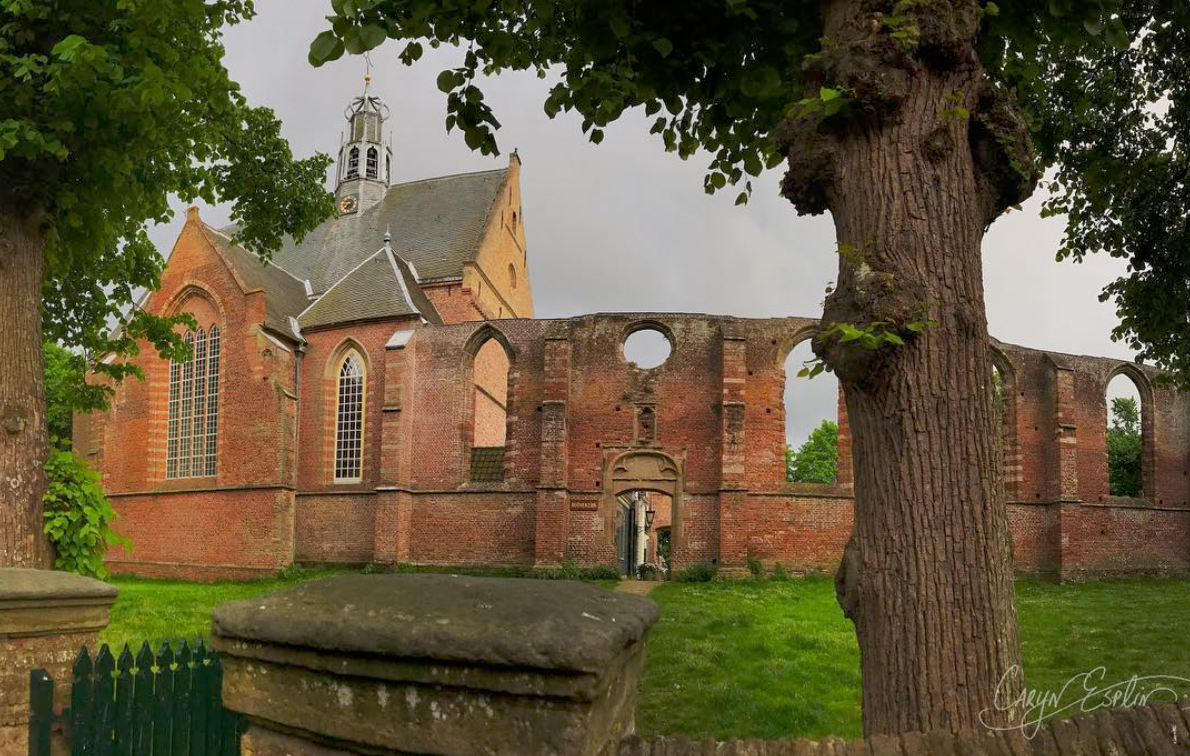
(593, 212)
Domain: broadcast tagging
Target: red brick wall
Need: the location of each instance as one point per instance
(205, 535)
(334, 528)
(573, 407)
(239, 521)
(472, 528)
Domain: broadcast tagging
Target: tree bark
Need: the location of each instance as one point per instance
(23, 436)
(911, 185)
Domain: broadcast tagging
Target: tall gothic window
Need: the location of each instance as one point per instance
(373, 163)
(194, 408)
(353, 163)
(349, 421)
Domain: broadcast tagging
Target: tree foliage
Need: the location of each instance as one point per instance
(78, 516)
(817, 459)
(1103, 87)
(67, 392)
(110, 108)
(1124, 447)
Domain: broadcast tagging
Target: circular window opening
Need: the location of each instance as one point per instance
(647, 348)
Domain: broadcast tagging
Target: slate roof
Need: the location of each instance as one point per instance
(382, 286)
(285, 295)
(436, 224)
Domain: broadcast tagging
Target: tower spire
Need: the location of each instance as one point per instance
(365, 157)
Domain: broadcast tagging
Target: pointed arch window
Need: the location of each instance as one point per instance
(353, 163)
(373, 163)
(191, 438)
(349, 421)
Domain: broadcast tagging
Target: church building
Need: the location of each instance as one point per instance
(381, 393)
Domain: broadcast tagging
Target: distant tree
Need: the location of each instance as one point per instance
(110, 108)
(817, 459)
(1123, 448)
(916, 124)
(67, 392)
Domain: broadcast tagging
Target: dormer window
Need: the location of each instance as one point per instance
(373, 163)
(353, 163)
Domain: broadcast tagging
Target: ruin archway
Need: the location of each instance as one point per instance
(647, 470)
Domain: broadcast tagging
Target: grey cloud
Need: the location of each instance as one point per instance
(593, 212)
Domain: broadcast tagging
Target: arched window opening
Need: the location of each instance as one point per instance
(647, 348)
(489, 412)
(353, 163)
(388, 168)
(1005, 421)
(811, 406)
(349, 421)
(512, 275)
(194, 408)
(1125, 437)
(373, 166)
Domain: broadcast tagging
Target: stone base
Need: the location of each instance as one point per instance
(45, 618)
(421, 665)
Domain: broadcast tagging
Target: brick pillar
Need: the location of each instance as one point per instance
(845, 475)
(434, 664)
(394, 502)
(733, 489)
(1063, 482)
(552, 512)
(45, 618)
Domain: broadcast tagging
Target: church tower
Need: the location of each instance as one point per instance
(365, 158)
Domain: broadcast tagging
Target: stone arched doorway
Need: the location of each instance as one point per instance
(648, 471)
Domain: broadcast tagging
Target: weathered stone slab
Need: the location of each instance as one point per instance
(421, 664)
(45, 618)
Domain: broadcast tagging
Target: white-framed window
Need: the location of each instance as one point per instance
(373, 165)
(349, 420)
(191, 438)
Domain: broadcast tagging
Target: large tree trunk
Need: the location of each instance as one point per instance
(23, 439)
(911, 184)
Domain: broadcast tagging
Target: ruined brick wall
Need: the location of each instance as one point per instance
(584, 425)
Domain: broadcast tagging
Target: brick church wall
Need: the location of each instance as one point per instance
(713, 412)
(238, 522)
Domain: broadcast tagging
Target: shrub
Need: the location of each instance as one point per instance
(699, 573)
(779, 572)
(78, 516)
(755, 567)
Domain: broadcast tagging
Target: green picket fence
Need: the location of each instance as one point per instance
(163, 704)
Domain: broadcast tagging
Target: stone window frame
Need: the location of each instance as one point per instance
(192, 419)
(352, 163)
(785, 349)
(485, 333)
(338, 459)
(1148, 435)
(372, 164)
(646, 324)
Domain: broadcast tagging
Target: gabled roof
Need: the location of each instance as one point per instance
(285, 294)
(436, 224)
(382, 286)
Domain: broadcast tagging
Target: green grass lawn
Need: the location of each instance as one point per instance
(776, 659)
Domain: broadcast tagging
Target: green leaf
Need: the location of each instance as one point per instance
(446, 81)
(826, 94)
(371, 36)
(68, 47)
(326, 47)
(663, 46)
